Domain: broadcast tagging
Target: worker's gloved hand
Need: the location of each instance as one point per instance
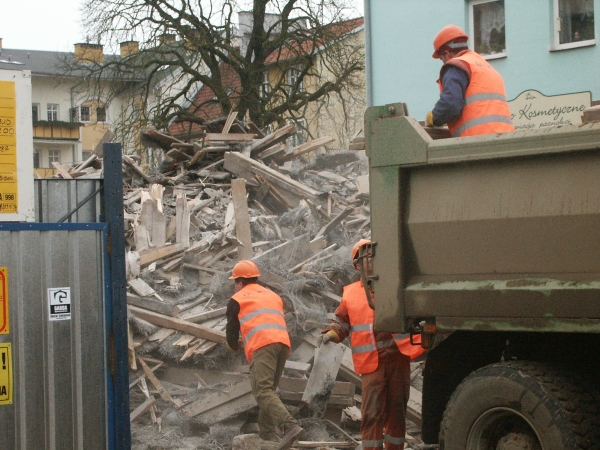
(326, 337)
(429, 119)
(229, 348)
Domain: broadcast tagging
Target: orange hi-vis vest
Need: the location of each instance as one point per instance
(486, 110)
(261, 318)
(362, 339)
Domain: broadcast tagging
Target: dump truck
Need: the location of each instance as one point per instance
(489, 248)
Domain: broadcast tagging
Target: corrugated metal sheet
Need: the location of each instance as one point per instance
(59, 366)
(56, 198)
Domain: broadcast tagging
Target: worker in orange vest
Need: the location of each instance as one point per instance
(472, 96)
(383, 360)
(257, 313)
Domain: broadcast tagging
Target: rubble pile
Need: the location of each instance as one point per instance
(222, 197)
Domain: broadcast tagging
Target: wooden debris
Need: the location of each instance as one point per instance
(242, 219)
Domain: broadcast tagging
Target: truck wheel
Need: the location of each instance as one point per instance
(521, 405)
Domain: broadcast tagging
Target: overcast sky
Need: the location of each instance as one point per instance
(46, 25)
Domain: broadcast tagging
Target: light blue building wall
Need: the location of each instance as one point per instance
(399, 38)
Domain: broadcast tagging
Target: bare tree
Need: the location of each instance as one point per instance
(189, 44)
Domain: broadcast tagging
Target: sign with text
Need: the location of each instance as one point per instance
(59, 302)
(4, 322)
(8, 148)
(6, 374)
(532, 109)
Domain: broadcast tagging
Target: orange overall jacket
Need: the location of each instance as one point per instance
(261, 318)
(486, 110)
(365, 344)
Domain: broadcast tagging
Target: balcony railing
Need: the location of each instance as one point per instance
(44, 129)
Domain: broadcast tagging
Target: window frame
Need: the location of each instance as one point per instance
(35, 118)
(301, 135)
(290, 72)
(265, 87)
(52, 108)
(104, 112)
(53, 153)
(556, 28)
(490, 56)
(89, 113)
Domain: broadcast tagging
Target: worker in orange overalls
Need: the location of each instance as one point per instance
(472, 96)
(257, 313)
(383, 360)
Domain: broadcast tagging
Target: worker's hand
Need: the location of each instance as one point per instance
(429, 119)
(326, 337)
(229, 348)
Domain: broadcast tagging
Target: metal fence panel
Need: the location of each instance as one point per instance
(55, 198)
(59, 367)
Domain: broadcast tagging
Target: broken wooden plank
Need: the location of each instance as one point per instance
(292, 389)
(230, 118)
(304, 148)
(229, 137)
(274, 138)
(236, 399)
(131, 163)
(157, 384)
(323, 374)
(137, 412)
(151, 255)
(141, 287)
(153, 305)
(334, 222)
(241, 165)
(178, 324)
(153, 369)
(62, 171)
(182, 231)
(242, 218)
(205, 315)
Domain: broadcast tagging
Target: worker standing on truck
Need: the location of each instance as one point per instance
(472, 99)
(257, 313)
(383, 360)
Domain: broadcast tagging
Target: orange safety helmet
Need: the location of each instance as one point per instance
(358, 245)
(446, 35)
(244, 269)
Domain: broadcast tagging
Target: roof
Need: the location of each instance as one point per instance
(335, 31)
(40, 62)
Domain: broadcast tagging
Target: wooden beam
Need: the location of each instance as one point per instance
(334, 222)
(304, 148)
(242, 218)
(178, 324)
(205, 315)
(229, 137)
(151, 255)
(131, 163)
(271, 139)
(157, 384)
(242, 165)
(62, 171)
(230, 118)
(235, 399)
(153, 305)
(137, 412)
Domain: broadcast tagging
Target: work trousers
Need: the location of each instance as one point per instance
(265, 371)
(384, 398)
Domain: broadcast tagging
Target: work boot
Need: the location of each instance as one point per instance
(291, 433)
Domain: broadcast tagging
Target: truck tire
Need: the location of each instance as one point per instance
(521, 405)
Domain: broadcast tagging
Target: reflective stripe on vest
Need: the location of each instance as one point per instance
(486, 110)
(364, 347)
(372, 443)
(261, 318)
(394, 440)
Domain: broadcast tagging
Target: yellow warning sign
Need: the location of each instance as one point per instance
(8, 147)
(6, 374)
(4, 322)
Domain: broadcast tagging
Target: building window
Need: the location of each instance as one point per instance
(53, 156)
(293, 74)
(52, 109)
(301, 134)
(488, 37)
(35, 112)
(265, 87)
(85, 113)
(574, 23)
(101, 114)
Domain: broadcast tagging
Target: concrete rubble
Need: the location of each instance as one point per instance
(231, 193)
